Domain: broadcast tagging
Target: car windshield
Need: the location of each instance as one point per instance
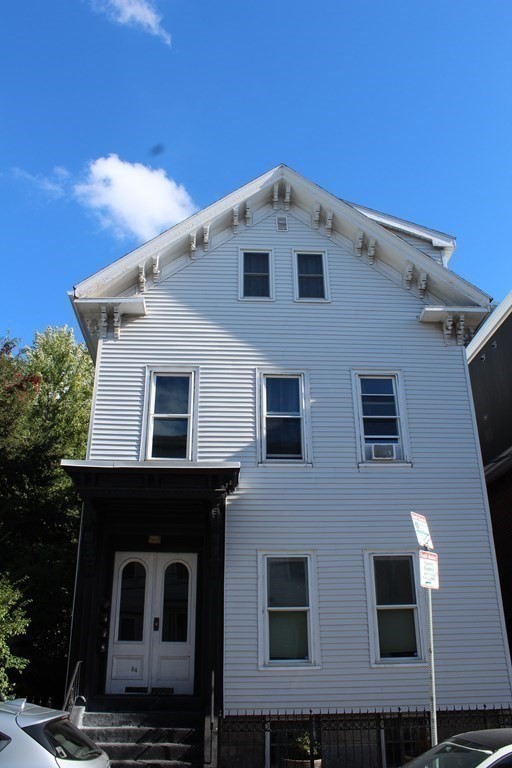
(457, 753)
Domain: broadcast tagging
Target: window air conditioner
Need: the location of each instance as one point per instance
(383, 451)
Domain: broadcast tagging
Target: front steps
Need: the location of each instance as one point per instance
(148, 739)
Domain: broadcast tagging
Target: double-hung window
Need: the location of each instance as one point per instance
(289, 635)
(283, 417)
(310, 276)
(256, 279)
(170, 416)
(380, 418)
(395, 608)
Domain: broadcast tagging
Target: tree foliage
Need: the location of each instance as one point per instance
(13, 622)
(45, 395)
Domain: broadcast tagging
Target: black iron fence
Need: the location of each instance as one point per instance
(342, 739)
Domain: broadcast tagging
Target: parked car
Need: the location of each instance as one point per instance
(38, 737)
(485, 749)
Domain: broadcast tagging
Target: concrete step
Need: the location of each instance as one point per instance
(153, 764)
(156, 719)
(145, 752)
(137, 734)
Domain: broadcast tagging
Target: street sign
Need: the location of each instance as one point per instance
(429, 570)
(422, 531)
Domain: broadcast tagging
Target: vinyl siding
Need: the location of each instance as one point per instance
(332, 507)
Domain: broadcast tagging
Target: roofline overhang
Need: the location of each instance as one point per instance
(495, 320)
(393, 248)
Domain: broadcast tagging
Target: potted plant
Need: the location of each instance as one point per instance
(303, 750)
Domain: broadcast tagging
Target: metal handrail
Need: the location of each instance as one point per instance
(73, 688)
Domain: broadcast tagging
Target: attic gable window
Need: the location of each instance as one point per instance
(310, 277)
(256, 275)
(170, 416)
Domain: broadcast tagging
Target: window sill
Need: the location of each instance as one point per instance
(256, 298)
(298, 666)
(298, 300)
(373, 465)
(398, 664)
(285, 463)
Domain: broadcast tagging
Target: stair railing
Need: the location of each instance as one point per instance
(73, 690)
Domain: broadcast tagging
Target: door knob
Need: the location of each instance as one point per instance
(156, 624)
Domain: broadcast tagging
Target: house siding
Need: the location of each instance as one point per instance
(332, 507)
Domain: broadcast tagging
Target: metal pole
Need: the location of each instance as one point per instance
(431, 670)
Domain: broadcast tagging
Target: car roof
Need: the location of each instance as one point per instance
(29, 714)
(493, 738)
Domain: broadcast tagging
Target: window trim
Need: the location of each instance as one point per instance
(241, 273)
(326, 297)
(305, 402)
(147, 418)
(264, 662)
(373, 626)
(397, 376)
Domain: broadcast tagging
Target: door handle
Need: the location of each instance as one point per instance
(156, 624)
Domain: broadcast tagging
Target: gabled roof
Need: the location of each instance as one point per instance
(374, 237)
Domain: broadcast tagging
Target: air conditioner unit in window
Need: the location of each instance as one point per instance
(383, 451)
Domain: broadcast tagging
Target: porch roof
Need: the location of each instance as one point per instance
(150, 479)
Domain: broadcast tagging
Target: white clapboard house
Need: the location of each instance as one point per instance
(280, 380)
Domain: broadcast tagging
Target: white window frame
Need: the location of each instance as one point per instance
(241, 273)
(148, 417)
(418, 608)
(403, 432)
(264, 662)
(306, 299)
(305, 416)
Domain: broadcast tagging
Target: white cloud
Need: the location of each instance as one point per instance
(141, 14)
(53, 185)
(132, 198)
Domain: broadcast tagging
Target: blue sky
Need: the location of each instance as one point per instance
(120, 117)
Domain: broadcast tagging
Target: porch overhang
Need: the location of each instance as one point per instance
(199, 480)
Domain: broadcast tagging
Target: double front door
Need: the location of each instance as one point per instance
(152, 626)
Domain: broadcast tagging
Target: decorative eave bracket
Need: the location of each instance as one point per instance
(99, 316)
(464, 320)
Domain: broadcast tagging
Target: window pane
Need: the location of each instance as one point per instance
(375, 386)
(256, 285)
(380, 427)
(394, 581)
(131, 607)
(256, 263)
(256, 274)
(171, 394)
(397, 633)
(378, 405)
(311, 288)
(310, 270)
(283, 395)
(287, 582)
(310, 264)
(170, 438)
(284, 438)
(288, 635)
(175, 608)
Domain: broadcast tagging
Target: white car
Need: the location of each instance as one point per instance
(38, 737)
(475, 749)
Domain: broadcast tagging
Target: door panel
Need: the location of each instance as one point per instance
(152, 637)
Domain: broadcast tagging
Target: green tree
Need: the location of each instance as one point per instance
(13, 622)
(48, 387)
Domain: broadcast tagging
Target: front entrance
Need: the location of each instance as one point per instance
(152, 623)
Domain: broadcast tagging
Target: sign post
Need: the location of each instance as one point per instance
(429, 580)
